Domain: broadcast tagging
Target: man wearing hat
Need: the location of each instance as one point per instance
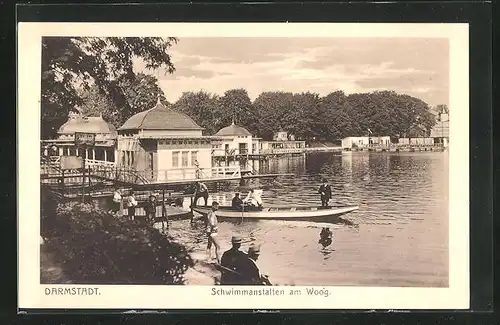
(250, 269)
(231, 261)
(326, 193)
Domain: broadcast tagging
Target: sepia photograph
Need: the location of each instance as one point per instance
(248, 164)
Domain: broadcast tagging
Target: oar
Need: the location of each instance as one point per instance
(242, 209)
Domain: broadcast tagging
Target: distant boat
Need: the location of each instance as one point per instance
(317, 214)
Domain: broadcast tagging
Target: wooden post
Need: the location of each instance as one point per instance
(83, 181)
(163, 210)
(192, 211)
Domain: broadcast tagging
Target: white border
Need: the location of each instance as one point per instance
(31, 293)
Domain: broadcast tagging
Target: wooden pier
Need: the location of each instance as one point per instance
(421, 148)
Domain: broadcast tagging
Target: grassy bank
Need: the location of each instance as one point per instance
(85, 245)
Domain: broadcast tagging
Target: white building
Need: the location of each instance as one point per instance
(164, 145)
(366, 142)
(282, 143)
(441, 131)
(234, 140)
(64, 145)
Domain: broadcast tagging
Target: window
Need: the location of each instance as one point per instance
(131, 158)
(185, 155)
(175, 159)
(194, 158)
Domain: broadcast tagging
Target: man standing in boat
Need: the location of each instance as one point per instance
(201, 191)
(212, 231)
(326, 193)
(231, 261)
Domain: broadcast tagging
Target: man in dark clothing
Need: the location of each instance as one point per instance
(150, 208)
(237, 202)
(326, 193)
(231, 260)
(250, 271)
(201, 191)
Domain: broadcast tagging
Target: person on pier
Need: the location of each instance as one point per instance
(326, 193)
(212, 231)
(131, 205)
(201, 192)
(150, 209)
(237, 202)
(117, 203)
(231, 261)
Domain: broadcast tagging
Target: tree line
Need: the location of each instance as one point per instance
(120, 94)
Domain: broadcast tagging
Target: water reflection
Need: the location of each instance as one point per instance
(398, 237)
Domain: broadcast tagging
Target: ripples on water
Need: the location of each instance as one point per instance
(398, 237)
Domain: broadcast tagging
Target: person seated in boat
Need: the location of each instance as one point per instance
(326, 193)
(253, 201)
(249, 269)
(237, 202)
(231, 261)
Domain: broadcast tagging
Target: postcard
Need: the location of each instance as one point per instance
(243, 166)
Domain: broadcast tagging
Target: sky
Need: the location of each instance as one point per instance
(415, 66)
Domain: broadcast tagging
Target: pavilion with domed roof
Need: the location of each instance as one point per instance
(64, 145)
(235, 140)
(165, 145)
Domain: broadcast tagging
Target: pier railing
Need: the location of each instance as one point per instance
(167, 175)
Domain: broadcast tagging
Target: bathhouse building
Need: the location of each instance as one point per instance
(365, 142)
(282, 143)
(234, 140)
(164, 145)
(441, 131)
(64, 145)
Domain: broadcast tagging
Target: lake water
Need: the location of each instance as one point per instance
(398, 237)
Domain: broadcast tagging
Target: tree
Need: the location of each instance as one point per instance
(97, 103)
(135, 95)
(337, 121)
(270, 109)
(304, 118)
(73, 63)
(441, 109)
(202, 107)
(139, 94)
(236, 105)
(413, 118)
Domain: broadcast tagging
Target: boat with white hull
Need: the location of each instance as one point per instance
(299, 213)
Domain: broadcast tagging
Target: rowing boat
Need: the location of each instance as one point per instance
(318, 214)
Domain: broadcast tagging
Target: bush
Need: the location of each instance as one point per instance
(94, 247)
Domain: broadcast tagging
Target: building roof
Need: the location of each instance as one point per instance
(90, 124)
(160, 118)
(233, 130)
(181, 137)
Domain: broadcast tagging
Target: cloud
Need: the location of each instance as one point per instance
(415, 66)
